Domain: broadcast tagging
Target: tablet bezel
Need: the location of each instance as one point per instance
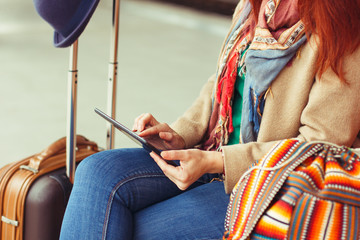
(132, 135)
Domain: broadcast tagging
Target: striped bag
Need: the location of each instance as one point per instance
(299, 190)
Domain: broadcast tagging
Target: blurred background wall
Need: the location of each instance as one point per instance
(167, 51)
(225, 7)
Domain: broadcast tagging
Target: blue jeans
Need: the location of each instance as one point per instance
(123, 194)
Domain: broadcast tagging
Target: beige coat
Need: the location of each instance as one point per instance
(300, 105)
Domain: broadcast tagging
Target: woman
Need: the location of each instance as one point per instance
(287, 69)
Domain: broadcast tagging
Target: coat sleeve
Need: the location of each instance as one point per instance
(331, 114)
(192, 125)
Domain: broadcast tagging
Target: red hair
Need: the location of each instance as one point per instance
(336, 23)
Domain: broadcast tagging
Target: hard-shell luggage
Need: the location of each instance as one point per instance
(34, 191)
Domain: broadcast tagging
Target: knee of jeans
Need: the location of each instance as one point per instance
(109, 166)
(102, 167)
(90, 168)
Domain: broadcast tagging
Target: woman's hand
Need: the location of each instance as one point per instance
(158, 134)
(193, 164)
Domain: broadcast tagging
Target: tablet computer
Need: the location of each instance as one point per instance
(132, 135)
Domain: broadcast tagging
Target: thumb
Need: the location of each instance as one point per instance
(166, 136)
(174, 155)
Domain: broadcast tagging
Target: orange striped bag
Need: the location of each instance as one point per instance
(299, 190)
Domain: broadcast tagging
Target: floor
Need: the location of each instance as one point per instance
(166, 53)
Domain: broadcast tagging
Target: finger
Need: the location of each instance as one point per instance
(166, 136)
(144, 120)
(175, 155)
(154, 130)
(172, 140)
(135, 127)
(169, 170)
(149, 132)
(175, 174)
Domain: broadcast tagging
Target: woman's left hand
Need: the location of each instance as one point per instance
(193, 164)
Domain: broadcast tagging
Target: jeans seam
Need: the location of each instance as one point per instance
(112, 194)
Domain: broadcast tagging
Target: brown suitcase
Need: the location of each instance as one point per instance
(34, 191)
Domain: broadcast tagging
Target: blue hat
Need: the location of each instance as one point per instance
(68, 18)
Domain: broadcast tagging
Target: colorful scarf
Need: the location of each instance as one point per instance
(276, 38)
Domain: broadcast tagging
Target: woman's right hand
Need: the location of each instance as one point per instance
(158, 134)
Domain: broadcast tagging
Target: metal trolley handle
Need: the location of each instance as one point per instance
(72, 93)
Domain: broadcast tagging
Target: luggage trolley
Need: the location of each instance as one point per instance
(44, 174)
(72, 93)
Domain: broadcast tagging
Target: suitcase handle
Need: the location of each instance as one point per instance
(56, 148)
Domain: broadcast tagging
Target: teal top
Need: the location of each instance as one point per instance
(237, 105)
(237, 109)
